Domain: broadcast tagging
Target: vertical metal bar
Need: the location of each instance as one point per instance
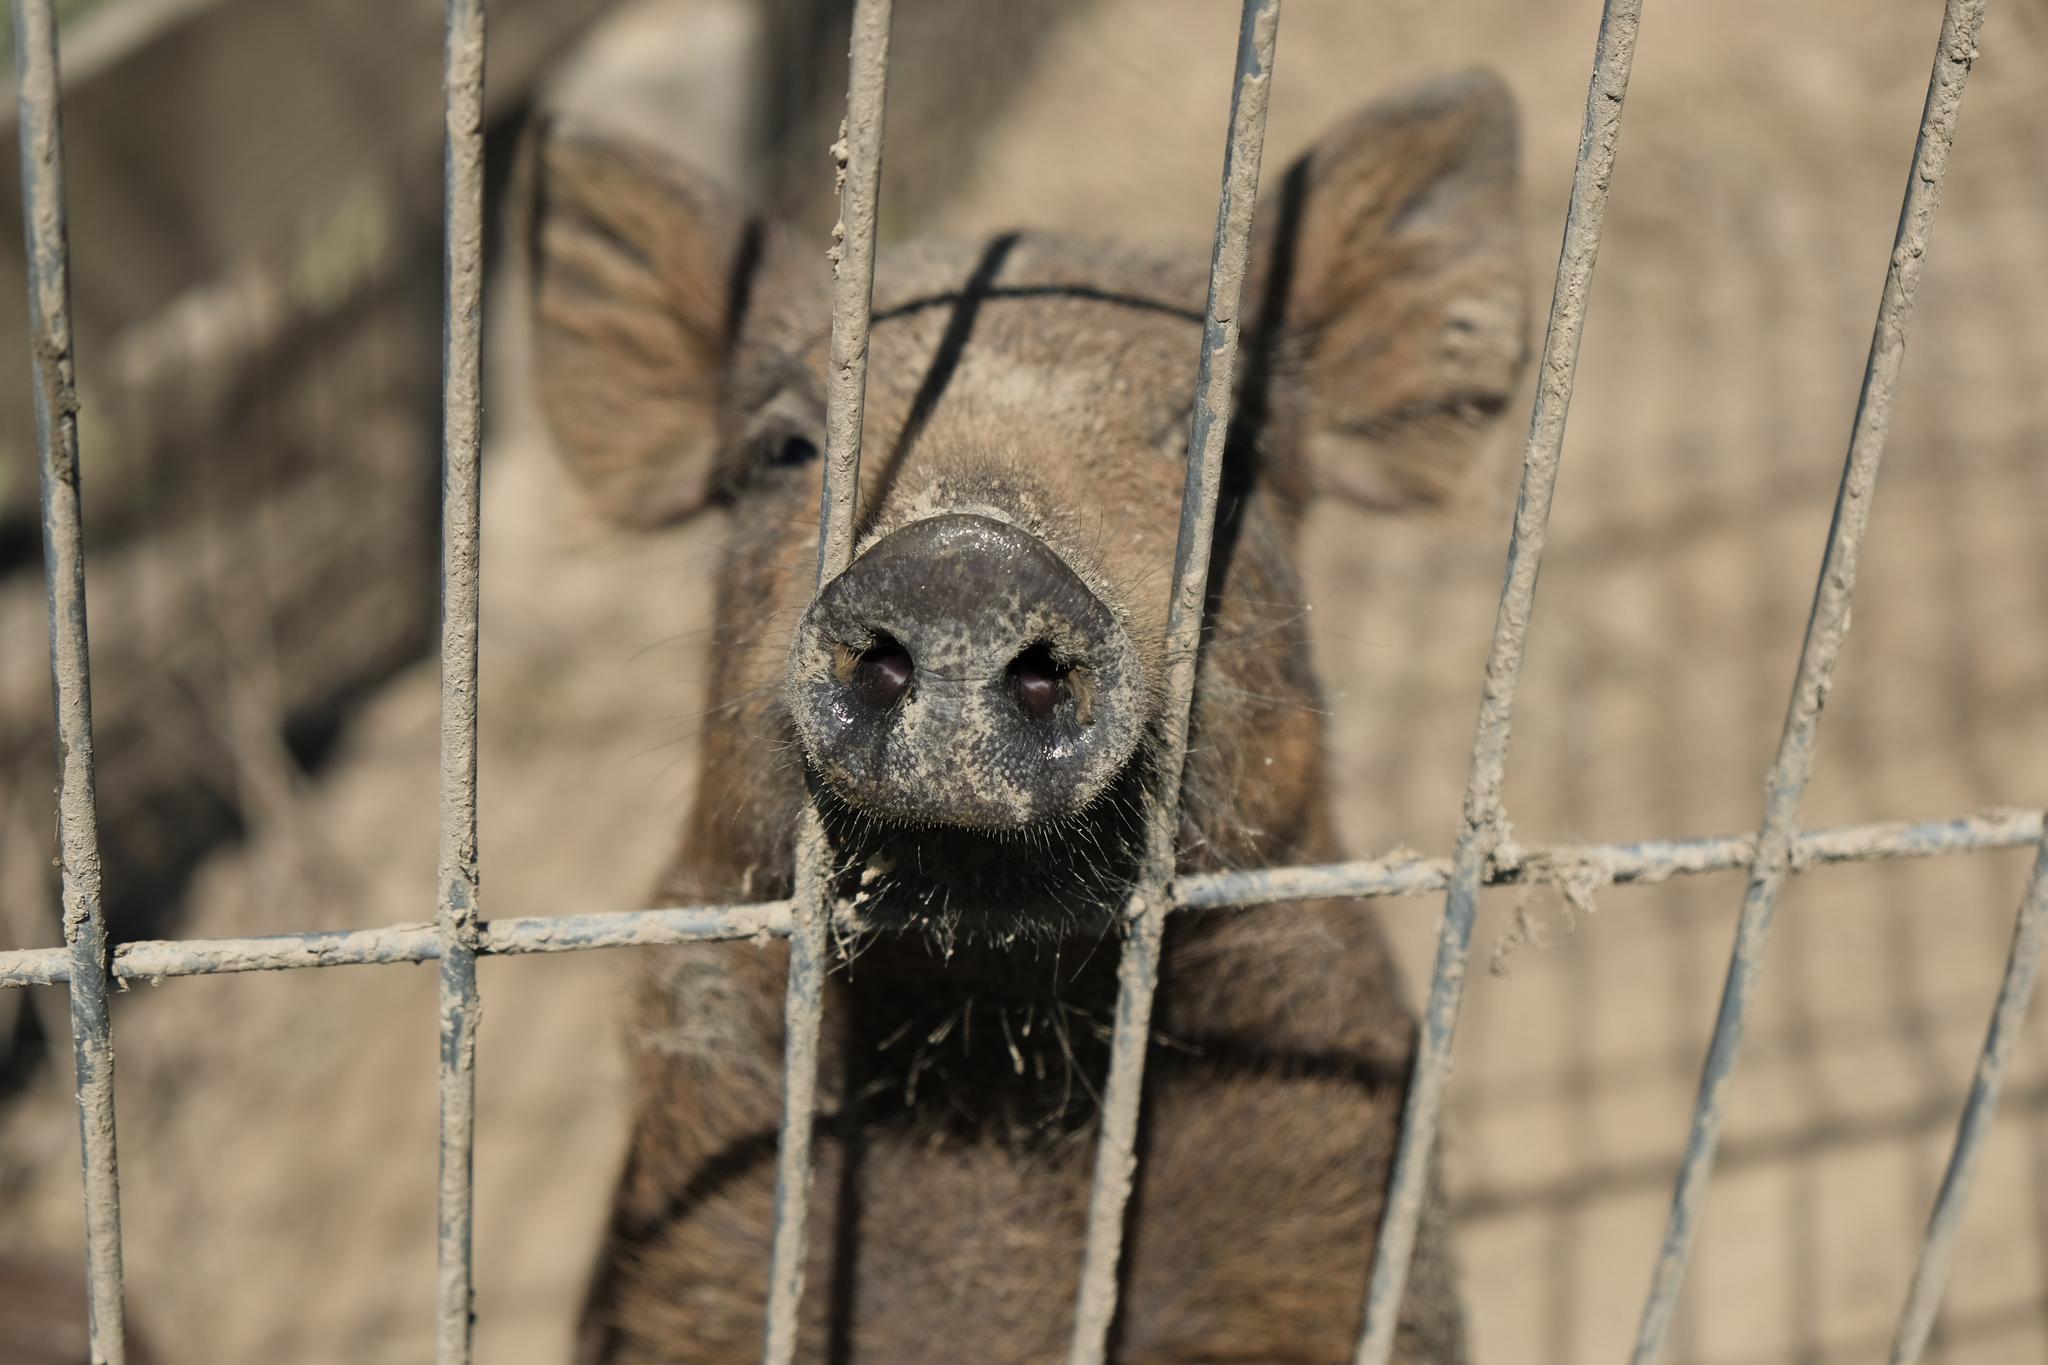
(2022, 965)
(1138, 970)
(461, 427)
(1825, 628)
(1484, 820)
(78, 845)
(858, 155)
(803, 1011)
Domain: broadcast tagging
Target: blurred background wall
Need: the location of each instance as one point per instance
(255, 208)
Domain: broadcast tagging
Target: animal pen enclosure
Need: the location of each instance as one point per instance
(1484, 851)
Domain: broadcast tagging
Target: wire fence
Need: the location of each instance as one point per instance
(1483, 854)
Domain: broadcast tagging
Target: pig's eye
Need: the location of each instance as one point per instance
(787, 434)
(790, 451)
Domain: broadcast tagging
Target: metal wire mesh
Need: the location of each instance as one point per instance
(455, 916)
(459, 935)
(1826, 628)
(1145, 913)
(859, 155)
(78, 852)
(1485, 819)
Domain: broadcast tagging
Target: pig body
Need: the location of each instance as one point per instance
(44, 1319)
(975, 707)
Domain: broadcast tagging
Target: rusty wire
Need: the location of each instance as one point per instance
(1403, 874)
(858, 157)
(1145, 913)
(78, 841)
(1826, 627)
(2015, 991)
(1485, 820)
(455, 919)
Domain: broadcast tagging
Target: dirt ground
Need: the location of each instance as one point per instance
(277, 1133)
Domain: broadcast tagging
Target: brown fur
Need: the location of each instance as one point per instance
(44, 1319)
(1048, 380)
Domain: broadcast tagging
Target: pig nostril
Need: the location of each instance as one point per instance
(1039, 681)
(883, 674)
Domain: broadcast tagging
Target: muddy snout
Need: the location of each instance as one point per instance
(960, 673)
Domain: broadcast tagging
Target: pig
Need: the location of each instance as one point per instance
(44, 1319)
(975, 706)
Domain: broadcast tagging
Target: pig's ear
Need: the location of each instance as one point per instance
(648, 283)
(1387, 300)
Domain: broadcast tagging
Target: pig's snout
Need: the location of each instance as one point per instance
(960, 673)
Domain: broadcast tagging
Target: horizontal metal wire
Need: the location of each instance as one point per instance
(157, 959)
(1654, 860)
(1631, 864)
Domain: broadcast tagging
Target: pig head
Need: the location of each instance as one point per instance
(975, 706)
